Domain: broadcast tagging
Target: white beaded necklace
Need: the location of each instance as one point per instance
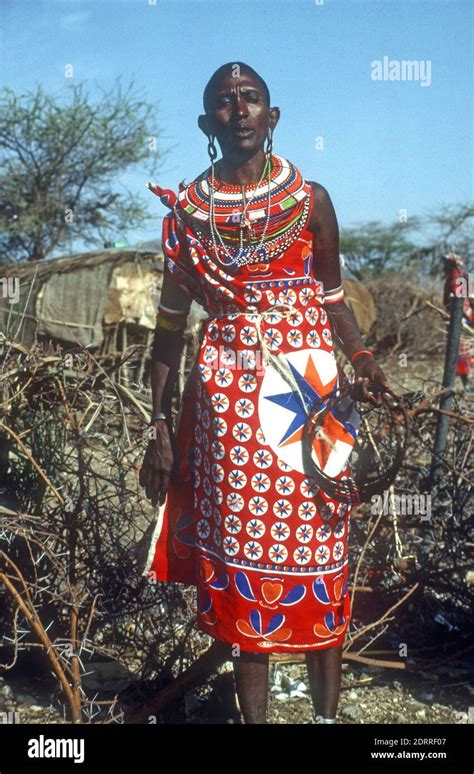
(244, 255)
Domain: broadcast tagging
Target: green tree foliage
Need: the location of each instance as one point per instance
(373, 249)
(453, 225)
(61, 158)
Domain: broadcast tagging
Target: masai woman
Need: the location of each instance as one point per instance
(456, 283)
(256, 244)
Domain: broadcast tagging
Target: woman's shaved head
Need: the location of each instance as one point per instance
(238, 113)
(236, 69)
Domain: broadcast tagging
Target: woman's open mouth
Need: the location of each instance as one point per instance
(242, 133)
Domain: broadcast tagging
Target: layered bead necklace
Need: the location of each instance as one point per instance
(245, 254)
(269, 218)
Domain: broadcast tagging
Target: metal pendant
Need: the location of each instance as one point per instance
(247, 226)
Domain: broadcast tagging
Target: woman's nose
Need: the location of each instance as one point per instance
(240, 106)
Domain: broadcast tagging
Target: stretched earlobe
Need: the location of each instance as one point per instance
(211, 147)
(203, 124)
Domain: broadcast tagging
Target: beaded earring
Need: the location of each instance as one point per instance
(269, 146)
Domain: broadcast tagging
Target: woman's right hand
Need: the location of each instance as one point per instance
(157, 464)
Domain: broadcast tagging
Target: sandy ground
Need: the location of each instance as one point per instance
(368, 695)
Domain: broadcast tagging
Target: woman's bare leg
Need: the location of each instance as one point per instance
(324, 674)
(251, 682)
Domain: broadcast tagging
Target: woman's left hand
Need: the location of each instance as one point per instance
(369, 380)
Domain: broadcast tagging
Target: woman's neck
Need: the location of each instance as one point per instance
(246, 172)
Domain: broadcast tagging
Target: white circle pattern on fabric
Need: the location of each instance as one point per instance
(260, 522)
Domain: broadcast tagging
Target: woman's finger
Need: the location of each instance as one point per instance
(156, 486)
(144, 473)
(376, 398)
(368, 395)
(163, 491)
(165, 481)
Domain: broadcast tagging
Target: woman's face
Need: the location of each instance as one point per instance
(239, 115)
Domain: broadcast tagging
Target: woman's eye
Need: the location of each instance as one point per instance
(223, 101)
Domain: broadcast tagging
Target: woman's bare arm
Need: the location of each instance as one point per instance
(167, 343)
(168, 340)
(324, 227)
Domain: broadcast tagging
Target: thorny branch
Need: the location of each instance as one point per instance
(75, 525)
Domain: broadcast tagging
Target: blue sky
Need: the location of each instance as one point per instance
(388, 145)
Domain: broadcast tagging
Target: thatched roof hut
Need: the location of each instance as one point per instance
(79, 298)
(106, 300)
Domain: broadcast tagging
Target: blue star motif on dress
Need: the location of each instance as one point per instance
(291, 401)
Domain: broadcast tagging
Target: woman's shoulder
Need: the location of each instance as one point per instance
(192, 195)
(322, 209)
(183, 186)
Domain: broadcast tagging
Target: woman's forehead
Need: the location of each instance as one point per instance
(229, 81)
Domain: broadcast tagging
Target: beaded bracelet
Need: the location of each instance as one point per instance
(170, 325)
(169, 310)
(334, 295)
(361, 352)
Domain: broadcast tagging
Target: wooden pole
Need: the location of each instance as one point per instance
(449, 377)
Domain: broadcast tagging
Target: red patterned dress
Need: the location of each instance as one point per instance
(266, 548)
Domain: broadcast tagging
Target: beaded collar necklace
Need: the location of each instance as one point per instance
(270, 213)
(244, 255)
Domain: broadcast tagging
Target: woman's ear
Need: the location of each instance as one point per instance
(203, 123)
(274, 116)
